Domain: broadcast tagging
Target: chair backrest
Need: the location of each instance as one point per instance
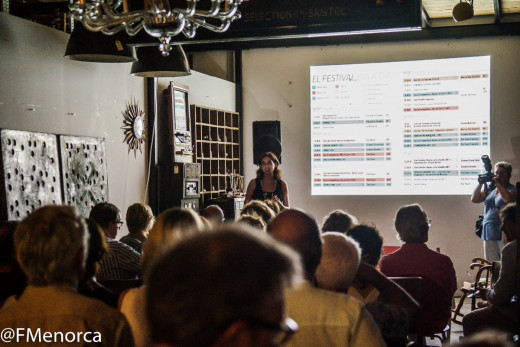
(390, 249)
(414, 286)
(120, 286)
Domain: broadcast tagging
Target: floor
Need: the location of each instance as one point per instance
(456, 329)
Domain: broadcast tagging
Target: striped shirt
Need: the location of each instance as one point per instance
(121, 262)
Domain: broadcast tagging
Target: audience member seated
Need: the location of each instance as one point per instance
(121, 262)
(89, 285)
(414, 258)
(12, 278)
(370, 285)
(503, 311)
(255, 222)
(326, 318)
(172, 226)
(139, 221)
(341, 264)
(51, 246)
(273, 206)
(371, 243)
(257, 208)
(214, 215)
(207, 224)
(338, 220)
(222, 288)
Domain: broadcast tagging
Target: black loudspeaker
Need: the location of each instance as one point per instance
(267, 137)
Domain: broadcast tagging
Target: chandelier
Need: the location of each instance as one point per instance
(157, 19)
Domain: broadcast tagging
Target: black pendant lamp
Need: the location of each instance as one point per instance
(151, 63)
(96, 47)
(463, 11)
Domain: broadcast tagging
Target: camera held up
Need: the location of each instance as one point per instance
(488, 167)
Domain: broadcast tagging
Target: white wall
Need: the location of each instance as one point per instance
(204, 90)
(276, 87)
(42, 91)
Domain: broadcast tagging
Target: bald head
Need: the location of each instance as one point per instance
(339, 262)
(214, 214)
(300, 231)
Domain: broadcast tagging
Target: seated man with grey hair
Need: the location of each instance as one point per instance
(51, 246)
(414, 258)
(326, 318)
(222, 288)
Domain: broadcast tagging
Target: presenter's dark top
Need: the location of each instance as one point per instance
(260, 194)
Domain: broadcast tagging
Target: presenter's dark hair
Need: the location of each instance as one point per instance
(277, 172)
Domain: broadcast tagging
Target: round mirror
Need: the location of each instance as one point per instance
(138, 127)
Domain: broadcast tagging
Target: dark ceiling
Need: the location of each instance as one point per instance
(492, 17)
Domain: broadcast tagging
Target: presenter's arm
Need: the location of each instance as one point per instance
(285, 203)
(285, 191)
(249, 191)
(478, 195)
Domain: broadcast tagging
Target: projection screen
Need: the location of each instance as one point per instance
(399, 128)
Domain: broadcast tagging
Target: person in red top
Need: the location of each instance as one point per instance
(414, 258)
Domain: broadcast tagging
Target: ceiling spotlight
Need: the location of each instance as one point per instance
(463, 11)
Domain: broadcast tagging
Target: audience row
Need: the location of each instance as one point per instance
(269, 278)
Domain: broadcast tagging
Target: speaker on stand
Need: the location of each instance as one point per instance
(267, 137)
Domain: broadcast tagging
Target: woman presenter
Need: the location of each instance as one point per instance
(268, 183)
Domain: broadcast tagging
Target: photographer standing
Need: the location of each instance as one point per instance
(495, 196)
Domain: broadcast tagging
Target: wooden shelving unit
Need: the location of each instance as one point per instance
(216, 138)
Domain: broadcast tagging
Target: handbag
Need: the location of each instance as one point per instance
(478, 226)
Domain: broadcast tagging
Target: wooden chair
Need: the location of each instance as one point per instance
(484, 278)
(415, 287)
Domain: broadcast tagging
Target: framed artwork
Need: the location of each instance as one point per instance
(83, 164)
(179, 123)
(30, 172)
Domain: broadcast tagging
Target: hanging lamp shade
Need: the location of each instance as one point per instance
(463, 11)
(96, 47)
(151, 63)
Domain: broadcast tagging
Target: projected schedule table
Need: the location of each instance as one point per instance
(377, 130)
